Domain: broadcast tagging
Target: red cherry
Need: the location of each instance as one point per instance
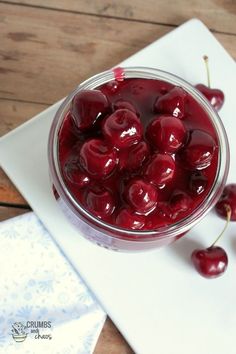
(215, 96)
(210, 262)
(97, 158)
(199, 150)
(160, 169)
(129, 220)
(166, 133)
(100, 202)
(74, 175)
(197, 183)
(122, 128)
(87, 106)
(228, 199)
(179, 202)
(123, 104)
(131, 159)
(141, 196)
(172, 103)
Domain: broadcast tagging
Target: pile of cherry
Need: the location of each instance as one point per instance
(122, 141)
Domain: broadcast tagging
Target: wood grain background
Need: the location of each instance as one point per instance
(48, 47)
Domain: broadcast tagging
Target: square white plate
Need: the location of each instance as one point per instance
(156, 299)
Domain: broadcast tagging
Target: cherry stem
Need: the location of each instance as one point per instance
(228, 216)
(206, 60)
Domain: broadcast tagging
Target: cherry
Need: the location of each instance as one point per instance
(197, 183)
(199, 150)
(228, 199)
(97, 158)
(160, 169)
(179, 202)
(74, 175)
(133, 158)
(141, 196)
(214, 96)
(173, 102)
(87, 106)
(166, 133)
(124, 104)
(122, 128)
(100, 202)
(212, 261)
(127, 219)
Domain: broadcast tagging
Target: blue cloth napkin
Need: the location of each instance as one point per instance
(44, 305)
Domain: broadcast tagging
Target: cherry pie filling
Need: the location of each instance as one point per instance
(138, 154)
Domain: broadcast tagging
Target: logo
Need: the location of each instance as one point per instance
(20, 331)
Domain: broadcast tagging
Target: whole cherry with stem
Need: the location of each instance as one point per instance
(212, 262)
(214, 96)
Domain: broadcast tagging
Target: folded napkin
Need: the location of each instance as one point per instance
(44, 305)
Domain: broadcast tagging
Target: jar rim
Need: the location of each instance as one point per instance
(174, 229)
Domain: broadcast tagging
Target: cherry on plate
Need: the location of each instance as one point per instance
(97, 158)
(160, 170)
(141, 196)
(215, 96)
(199, 150)
(227, 199)
(210, 262)
(122, 129)
(166, 133)
(173, 102)
(87, 106)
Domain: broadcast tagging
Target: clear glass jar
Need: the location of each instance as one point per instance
(114, 237)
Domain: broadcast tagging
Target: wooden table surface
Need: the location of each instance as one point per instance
(48, 47)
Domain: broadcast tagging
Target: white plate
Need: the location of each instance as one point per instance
(156, 299)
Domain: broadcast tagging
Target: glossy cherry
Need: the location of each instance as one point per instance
(212, 261)
(75, 175)
(166, 133)
(228, 198)
(124, 104)
(100, 202)
(180, 202)
(214, 96)
(173, 102)
(87, 106)
(127, 219)
(133, 158)
(199, 150)
(141, 196)
(97, 158)
(160, 169)
(122, 129)
(197, 183)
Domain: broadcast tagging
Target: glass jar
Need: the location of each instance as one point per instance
(114, 237)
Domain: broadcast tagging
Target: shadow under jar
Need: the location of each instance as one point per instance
(144, 168)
